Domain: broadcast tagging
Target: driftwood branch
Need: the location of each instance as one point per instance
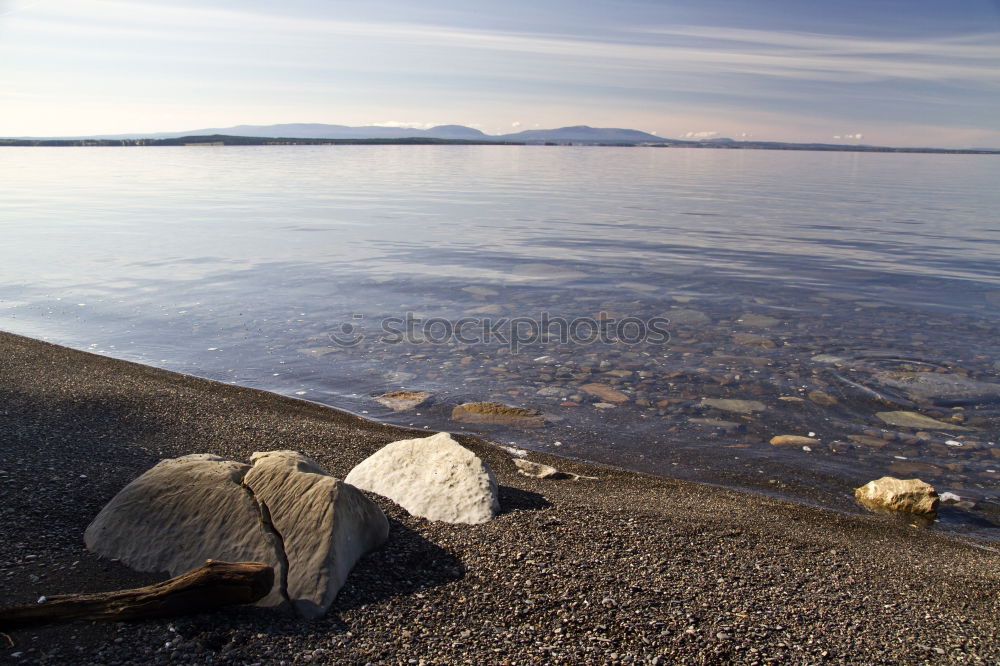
(208, 587)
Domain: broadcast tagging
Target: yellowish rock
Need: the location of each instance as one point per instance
(605, 393)
(400, 401)
(822, 398)
(866, 440)
(905, 495)
(793, 440)
(753, 340)
(915, 420)
(497, 413)
(734, 405)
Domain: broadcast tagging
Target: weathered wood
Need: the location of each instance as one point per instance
(208, 587)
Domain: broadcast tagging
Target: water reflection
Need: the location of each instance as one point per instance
(827, 288)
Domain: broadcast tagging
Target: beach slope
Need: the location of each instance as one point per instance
(624, 569)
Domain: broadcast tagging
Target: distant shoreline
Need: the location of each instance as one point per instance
(227, 140)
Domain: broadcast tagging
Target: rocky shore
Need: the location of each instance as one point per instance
(623, 569)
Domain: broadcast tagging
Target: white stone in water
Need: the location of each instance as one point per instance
(432, 477)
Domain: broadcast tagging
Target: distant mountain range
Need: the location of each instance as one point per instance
(299, 133)
(580, 133)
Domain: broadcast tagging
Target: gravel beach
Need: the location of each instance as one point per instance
(625, 569)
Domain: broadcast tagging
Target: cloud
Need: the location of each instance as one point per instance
(773, 53)
(701, 135)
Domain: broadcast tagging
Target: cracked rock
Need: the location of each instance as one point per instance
(182, 512)
(432, 477)
(325, 525)
(285, 512)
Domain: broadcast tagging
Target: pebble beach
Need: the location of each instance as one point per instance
(627, 568)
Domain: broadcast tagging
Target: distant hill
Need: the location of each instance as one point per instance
(313, 131)
(583, 134)
(577, 134)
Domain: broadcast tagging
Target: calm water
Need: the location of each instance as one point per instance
(823, 291)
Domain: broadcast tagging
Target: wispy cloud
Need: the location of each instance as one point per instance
(781, 54)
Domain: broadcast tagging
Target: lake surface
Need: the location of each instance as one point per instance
(697, 303)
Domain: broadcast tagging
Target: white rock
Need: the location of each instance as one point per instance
(325, 524)
(541, 471)
(537, 470)
(182, 512)
(432, 477)
(907, 495)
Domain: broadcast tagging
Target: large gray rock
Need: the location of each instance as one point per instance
(182, 512)
(284, 511)
(944, 388)
(497, 413)
(734, 405)
(431, 477)
(325, 524)
(917, 421)
(892, 494)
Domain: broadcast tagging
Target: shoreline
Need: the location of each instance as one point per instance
(216, 140)
(631, 568)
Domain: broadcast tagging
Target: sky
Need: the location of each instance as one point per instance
(882, 72)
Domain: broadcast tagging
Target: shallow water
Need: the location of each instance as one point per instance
(824, 290)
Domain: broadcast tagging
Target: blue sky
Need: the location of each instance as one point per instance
(891, 72)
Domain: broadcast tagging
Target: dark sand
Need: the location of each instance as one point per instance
(627, 569)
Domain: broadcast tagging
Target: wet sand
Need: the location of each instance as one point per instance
(626, 569)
